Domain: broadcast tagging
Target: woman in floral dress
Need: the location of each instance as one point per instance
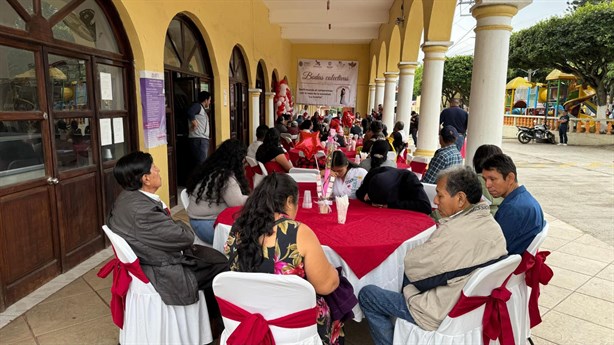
(266, 238)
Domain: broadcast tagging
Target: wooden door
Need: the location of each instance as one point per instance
(73, 115)
(184, 94)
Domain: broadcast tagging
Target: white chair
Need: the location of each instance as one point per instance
(518, 286)
(429, 188)
(263, 169)
(304, 171)
(302, 177)
(147, 320)
(251, 161)
(185, 198)
(259, 177)
(467, 328)
(392, 156)
(272, 296)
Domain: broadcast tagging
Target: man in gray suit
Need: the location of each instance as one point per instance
(176, 268)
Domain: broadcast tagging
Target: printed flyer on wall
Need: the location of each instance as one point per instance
(154, 115)
(327, 82)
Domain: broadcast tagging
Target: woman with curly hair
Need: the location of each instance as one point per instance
(217, 184)
(266, 239)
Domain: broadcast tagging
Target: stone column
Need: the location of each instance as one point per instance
(270, 109)
(379, 92)
(430, 102)
(406, 93)
(390, 91)
(371, 99)
(492, 40)
(254, 107)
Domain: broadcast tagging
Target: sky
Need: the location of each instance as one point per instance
(463, 36)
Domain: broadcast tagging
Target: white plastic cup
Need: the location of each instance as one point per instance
(307, 199)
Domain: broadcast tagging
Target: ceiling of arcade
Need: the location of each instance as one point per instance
(393, 28)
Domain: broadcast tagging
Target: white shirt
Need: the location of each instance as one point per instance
(350, 184)
(253, 148)
(155, 197)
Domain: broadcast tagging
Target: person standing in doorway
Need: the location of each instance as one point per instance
(456, 117)
(200, 127)
(563, 128)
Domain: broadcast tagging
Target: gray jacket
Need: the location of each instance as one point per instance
(157, 240)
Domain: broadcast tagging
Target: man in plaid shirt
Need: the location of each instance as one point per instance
(447, 156)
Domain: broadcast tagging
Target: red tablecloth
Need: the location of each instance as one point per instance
(368, 236)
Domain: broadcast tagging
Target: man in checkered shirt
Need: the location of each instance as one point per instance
(446, 156)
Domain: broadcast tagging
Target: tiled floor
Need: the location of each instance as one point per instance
(577, 306)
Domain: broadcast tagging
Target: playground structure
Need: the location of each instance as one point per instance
(560, 92)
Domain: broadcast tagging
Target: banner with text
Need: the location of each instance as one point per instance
(327, 82)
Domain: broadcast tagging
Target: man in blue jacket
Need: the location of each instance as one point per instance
(519, 215)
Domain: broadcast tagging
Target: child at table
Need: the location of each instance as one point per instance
(348, 176)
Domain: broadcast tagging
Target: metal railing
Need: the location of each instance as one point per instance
(576, 125)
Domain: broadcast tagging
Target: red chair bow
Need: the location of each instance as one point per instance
(254, 329)
(536, 272)
(121, 284)
(496, 319)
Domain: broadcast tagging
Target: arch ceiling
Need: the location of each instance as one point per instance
(350, 21)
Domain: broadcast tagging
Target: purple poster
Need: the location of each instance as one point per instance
(154, 112)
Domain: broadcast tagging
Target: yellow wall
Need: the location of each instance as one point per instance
(355, 52)
(146, 23)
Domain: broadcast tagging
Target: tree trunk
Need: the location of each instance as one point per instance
(602, 100)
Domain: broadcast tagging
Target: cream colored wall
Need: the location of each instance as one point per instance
(356, 52)
(223, 24)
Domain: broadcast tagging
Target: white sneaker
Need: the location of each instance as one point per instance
(559, 144)
(564, 144)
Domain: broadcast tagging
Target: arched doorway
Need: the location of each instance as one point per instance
(260, 84)
(274, 81)
(66, 81)
(239, 98)
(187, 71)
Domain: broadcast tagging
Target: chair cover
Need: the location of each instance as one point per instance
(518, 286)
(272, 296)
(147, 320)
(430, 191)
(304, 171)
(418, 164)
(466, 328)
(251, 161)
(185, 198)
(302, 177)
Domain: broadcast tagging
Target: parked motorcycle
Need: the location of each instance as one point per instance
(539, 133)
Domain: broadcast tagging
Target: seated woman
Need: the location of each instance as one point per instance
(466, 239)
(378, 156)
(348, 176)
(164, 246)
(217, 184)
(271, 151)
(481, 155)
(266, 238)
(399, 140)
(374, 133)
(394, 188)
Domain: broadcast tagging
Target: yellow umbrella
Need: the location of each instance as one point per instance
(518, 82)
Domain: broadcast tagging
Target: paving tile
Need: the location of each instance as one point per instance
(607, 273)
(551, 295)
(77, 287)
(550, 218)
(96, 282)
(588, 251)
(99, 331)
(553, 243)
(28, 341)
(590, 240)
(563, 230)
(65, 312)
(588, 308)
(564, 329)
(600, 288)
(567, 279)
(105, 294)
(574, 263)
(541, 341)
(15, 331)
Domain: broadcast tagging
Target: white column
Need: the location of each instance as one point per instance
(390, 91)
(492, 39)
(270, 109)
(254, 107)
(406, 93)
(371, 98)
(379, 92)
(430, 102)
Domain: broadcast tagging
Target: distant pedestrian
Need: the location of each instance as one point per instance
(413, 126)
(456, 117)
(563, 128)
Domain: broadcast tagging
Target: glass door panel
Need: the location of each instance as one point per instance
(68, 83)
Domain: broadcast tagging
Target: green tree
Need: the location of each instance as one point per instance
(573, 5)
(457, 78)
(581, 43)
(418, 81)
